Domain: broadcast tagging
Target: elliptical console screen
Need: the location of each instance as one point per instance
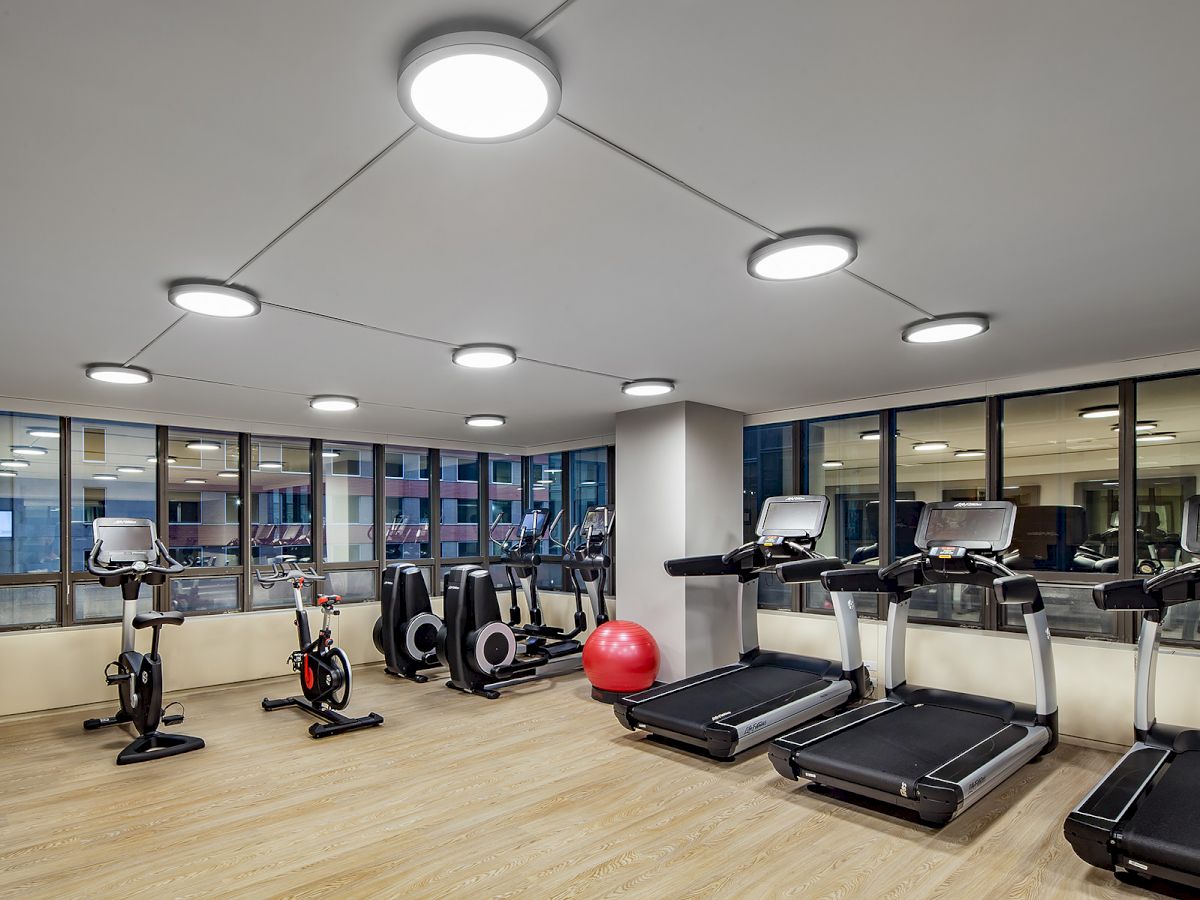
(125, 540)
(793, 516)
(596, 521)
(982, 526)
(534, 521)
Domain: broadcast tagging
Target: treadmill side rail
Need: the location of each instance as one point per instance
(623, 706)
(961, 782)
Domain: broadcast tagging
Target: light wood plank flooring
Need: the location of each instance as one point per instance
(540, 793)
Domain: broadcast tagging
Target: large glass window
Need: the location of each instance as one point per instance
(29, 499)
(842, 462)
(112, 474)
(505, 493)
(940, 457)
(205, 595)
(280, 507)
(459, 487)
(767, 471)
(204, 504)
(1168, 464)
(349, 495)
(406, 512)
(1060, 466)
(589, 480)
(28, 604)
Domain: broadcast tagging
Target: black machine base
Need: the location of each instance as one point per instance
(486, 693)
(336, 723)
(156, 745)
(119, 718)
(609, 697)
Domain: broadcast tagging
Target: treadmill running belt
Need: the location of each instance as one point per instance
(689, 710)
(1165, 828)
(897, 748)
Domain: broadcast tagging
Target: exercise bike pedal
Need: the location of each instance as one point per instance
(173, 719)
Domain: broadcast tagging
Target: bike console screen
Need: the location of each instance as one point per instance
(964, 526)
(124, 540)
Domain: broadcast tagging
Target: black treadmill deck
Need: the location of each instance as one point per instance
(890, 752)
(690, 710)
(1165, 829)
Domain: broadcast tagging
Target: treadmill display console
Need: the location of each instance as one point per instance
(965, 525)
(785, 518)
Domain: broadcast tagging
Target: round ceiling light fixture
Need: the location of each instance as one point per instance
(228, 473)
(193, 481)
(130, 470)
(479, 86)
(271, 466)
(7, 473)
(648, 387)
(42, 431)
(870, 436)
(203, 445)
(484, 356)
(330, 454)
(803, 256)
(832, 464)
(930, 446)
(104, 476)
(217, 300)
(1100, 412)
(27, 450)
(333, 403)
(111, 373)
(485, 421)
(969, 454)
(942, 329)
(1160, 438)
(1139, 427)
(14, 464)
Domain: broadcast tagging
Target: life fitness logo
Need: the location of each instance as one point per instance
(966, 505)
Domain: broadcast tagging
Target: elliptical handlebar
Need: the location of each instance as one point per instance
(136, 568)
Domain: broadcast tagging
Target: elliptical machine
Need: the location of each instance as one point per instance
(325, 675)
(407, 630)
(520, 558)
(127, 553)
(481, 650)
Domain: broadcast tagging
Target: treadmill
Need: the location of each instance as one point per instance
(926, 749)
(1141, 818)
(733, 708)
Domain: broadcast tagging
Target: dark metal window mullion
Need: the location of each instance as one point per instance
(993, 488)
(379, 454)
(245, 539)
(66, 613)
(485, 502)
(800, 486)
(887, 496)
(611, 500)
(317, 503)
(162, 512)
(435, 516)
(1127, 506)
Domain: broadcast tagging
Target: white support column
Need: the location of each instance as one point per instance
(679, 493)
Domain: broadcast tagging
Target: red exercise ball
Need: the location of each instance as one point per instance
(621, 658)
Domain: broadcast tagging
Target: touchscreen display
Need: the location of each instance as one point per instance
(793, 518)
(963, 524)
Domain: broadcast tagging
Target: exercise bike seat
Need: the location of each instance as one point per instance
(329, 599)
(155, 619)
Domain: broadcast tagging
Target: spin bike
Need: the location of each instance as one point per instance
(324, 669)
(127, 553)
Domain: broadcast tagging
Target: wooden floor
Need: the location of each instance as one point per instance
(540, 793)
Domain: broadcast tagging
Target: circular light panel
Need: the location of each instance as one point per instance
(104, 476)
(941, 329)
(27, 450)
(203, 445)
(648, 387)
(1099, 412)
(870, 436)
(7, 473)
(217, 300)
(331, 454)
(930, 446)
(228, 473)
(271, 466)
(193, 481)
(111, 373)
(485, 421)
(805, 256)
(1139, 427)
(1161, 437)
(14, 463)
(479, 86)
(333, 403)
(484, 356)
(969, 454)
(832, 464)
(42, 431)
(130, 470)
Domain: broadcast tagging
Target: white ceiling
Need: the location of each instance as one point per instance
(1032, 160)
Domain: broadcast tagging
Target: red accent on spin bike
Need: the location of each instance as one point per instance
(329, 598)
(308, 674)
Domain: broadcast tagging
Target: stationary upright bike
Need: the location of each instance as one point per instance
(127, 553)
(324, 669)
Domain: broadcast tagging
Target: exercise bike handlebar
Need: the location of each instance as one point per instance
(135, 568)
(279, 573)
